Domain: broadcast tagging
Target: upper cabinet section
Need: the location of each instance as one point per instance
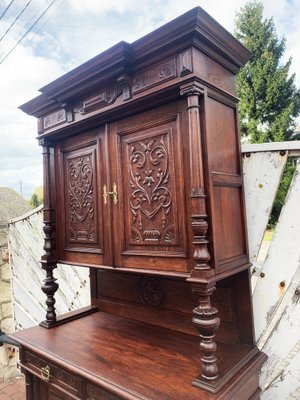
(193, 45)
(146, 173)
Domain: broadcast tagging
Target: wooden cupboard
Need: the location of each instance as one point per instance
(143, 185)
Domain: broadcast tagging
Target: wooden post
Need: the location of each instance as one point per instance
(205, 316)
(48, 260)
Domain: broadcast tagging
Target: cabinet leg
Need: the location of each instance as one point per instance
(29, 385)
(206, 322)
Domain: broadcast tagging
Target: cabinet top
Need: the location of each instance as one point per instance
(195, 28)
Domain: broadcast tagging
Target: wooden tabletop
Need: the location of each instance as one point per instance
(137, 360)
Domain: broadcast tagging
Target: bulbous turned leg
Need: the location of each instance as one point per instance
(206, 322)
(49, 287)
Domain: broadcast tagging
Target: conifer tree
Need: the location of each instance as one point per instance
(269, 99)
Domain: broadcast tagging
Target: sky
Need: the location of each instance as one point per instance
(71, 32)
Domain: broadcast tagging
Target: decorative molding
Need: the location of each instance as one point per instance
(54, 119)
(152, 291)
(185, 63)
(126, 91)
(154, 75)
(105, 98)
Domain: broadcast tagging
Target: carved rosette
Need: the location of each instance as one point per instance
(152, 291)
(80, 207)
(150, 193)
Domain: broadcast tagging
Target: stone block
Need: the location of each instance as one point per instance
(5, 273)
(8, 325)
(7, 310)
(5, 292)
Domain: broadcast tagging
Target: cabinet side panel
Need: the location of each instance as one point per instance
(226, 187)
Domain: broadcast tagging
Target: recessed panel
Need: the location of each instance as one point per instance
(229, 235)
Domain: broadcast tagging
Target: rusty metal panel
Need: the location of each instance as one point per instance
(282, 260)
(262, 174)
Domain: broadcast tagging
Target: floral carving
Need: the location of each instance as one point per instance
(81, 199)
(150, 195)
(152, 291)
(154, 76)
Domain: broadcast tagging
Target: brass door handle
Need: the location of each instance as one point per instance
(114, 193)
(45, 373)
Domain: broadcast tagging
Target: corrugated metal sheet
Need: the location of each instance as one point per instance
(26, 247)
(276, 280)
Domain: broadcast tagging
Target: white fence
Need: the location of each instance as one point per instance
(275, 280)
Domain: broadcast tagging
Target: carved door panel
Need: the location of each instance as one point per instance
(82, 166)
(149, 219)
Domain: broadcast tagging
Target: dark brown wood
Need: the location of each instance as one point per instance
(48, 260)
(143, 185)
(170, 359)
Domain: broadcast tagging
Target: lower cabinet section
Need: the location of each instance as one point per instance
(54, 394)
(115, 358)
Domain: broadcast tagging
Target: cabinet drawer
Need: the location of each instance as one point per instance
(96, 393)
(52, 374)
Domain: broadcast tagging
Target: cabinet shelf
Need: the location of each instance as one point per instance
(131, 359)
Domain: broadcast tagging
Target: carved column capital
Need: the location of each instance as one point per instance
(191, 89)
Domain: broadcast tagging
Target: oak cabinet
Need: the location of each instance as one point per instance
(143, 185)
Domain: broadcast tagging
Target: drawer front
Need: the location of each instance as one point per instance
(52, 374)
(95, 393)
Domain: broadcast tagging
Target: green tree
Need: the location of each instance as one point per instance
(34, 202)
(37, 197)
(269, 99)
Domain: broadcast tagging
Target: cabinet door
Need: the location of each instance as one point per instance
(81, 174)
(147, 164)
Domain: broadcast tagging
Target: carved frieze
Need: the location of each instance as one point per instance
(151, 192)
(154, 75)
(80, 207)
(55, 372)
(56, 118)
(96, 393)
(106, 97)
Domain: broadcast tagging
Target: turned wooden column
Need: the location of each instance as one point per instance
(205, 317)
(48, 260)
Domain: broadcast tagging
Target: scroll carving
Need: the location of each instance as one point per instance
(54, 119)
(150, 192)
(81, 199)
(106, 97)
(153, 76)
